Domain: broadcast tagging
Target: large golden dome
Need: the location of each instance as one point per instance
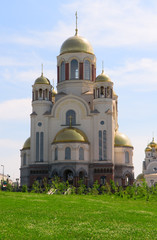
(70, 135)
(121, 140)
(76, 44)
(27, 144)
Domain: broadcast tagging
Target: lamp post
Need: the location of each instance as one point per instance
(17, 180)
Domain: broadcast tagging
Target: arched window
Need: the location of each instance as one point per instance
(56, 153)
(70, 118)
(74, 69)
(62, 71)
(46, 93)
(40, 93)
(86, 70)
(81, 153)
(68, 153)
(102, 92)
(24, 159)
(126, 157)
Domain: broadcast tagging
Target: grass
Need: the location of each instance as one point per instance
(40, 216)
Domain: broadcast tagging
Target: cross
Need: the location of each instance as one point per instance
(70, 122)
(102, 66)
(76, 30)
(42, 69)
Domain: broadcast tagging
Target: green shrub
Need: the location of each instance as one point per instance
(95, 188)
(36, 188)
(9, 187)
(24, 188)
(82, 187)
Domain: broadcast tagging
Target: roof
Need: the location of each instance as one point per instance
(27, 144)
(76, 44)
(121, 140)
(102, 77)
(70, 134)
(42, 80)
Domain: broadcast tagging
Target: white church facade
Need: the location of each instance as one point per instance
(74, 132)
(150, 164)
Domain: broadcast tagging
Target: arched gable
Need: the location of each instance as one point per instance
(79, 105)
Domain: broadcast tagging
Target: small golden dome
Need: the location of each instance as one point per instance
(121, 140)
(140, 176)
(42, 80)
(102, 77)
(27, 144)
(152, 143)
(76, 44)
(53, 92)
(148, 149)
(70, 135)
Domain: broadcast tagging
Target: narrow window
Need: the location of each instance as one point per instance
(104, 145)
(70, 118)
(100, 145)
(62, 71)
(41, 146)
(40, 93)
(102, 92)
(74, 69)
(37, 146)
(24, 159)
(86, 70)
(56, 153)
(46, 94)
(126, 157)
(81, 153)
(67, 153)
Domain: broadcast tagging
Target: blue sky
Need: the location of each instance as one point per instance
(123, 35)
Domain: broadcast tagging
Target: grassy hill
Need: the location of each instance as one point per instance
(40, 216)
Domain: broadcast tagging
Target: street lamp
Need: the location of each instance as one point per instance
(17, 180)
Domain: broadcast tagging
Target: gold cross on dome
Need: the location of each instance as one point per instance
(70, 122)
(76, 30)
(42, 69)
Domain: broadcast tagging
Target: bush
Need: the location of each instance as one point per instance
(36, 188)
(24, 188)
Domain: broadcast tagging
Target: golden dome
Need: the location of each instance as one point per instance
(140, 176)
(70, 135)
(102, 78)
(53, 93)
(27, 144)
(121, 140)
(148, 149)
(42, 80)
(76, 44)
(152, 143)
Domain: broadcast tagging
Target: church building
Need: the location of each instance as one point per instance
(150, 164)
(74, 133)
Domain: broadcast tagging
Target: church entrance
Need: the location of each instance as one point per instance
(68, 176)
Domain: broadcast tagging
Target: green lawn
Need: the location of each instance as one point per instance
(39, 216)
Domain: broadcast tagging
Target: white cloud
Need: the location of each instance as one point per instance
(142, 72)
(105, 23)
(16, 109)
